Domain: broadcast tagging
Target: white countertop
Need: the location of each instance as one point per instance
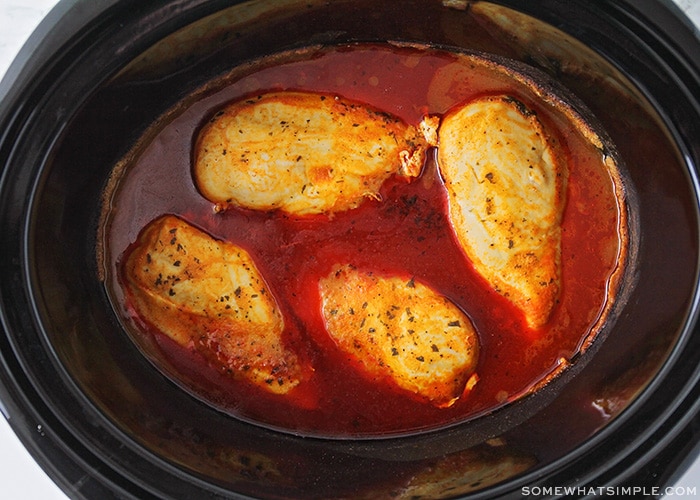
(20, 477)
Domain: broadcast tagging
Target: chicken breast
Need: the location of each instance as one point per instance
(403, 331)
(209, 296)
(302, 153)
(506, 181)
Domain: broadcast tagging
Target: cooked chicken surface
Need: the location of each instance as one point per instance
(506, 182)
(208, 295)
(302, 153)
(401, 330)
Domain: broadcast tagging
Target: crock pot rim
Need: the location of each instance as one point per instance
(18, 65)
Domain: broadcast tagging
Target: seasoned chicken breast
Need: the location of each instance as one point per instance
(208, 295)
(401, 330)
(506, 181)
(302, 153)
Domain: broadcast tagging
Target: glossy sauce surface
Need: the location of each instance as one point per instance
(406, 232)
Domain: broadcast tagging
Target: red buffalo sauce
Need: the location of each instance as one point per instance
(406, 232)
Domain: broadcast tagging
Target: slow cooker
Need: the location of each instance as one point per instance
(105, 423)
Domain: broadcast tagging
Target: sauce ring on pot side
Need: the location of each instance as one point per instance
(367, 240)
